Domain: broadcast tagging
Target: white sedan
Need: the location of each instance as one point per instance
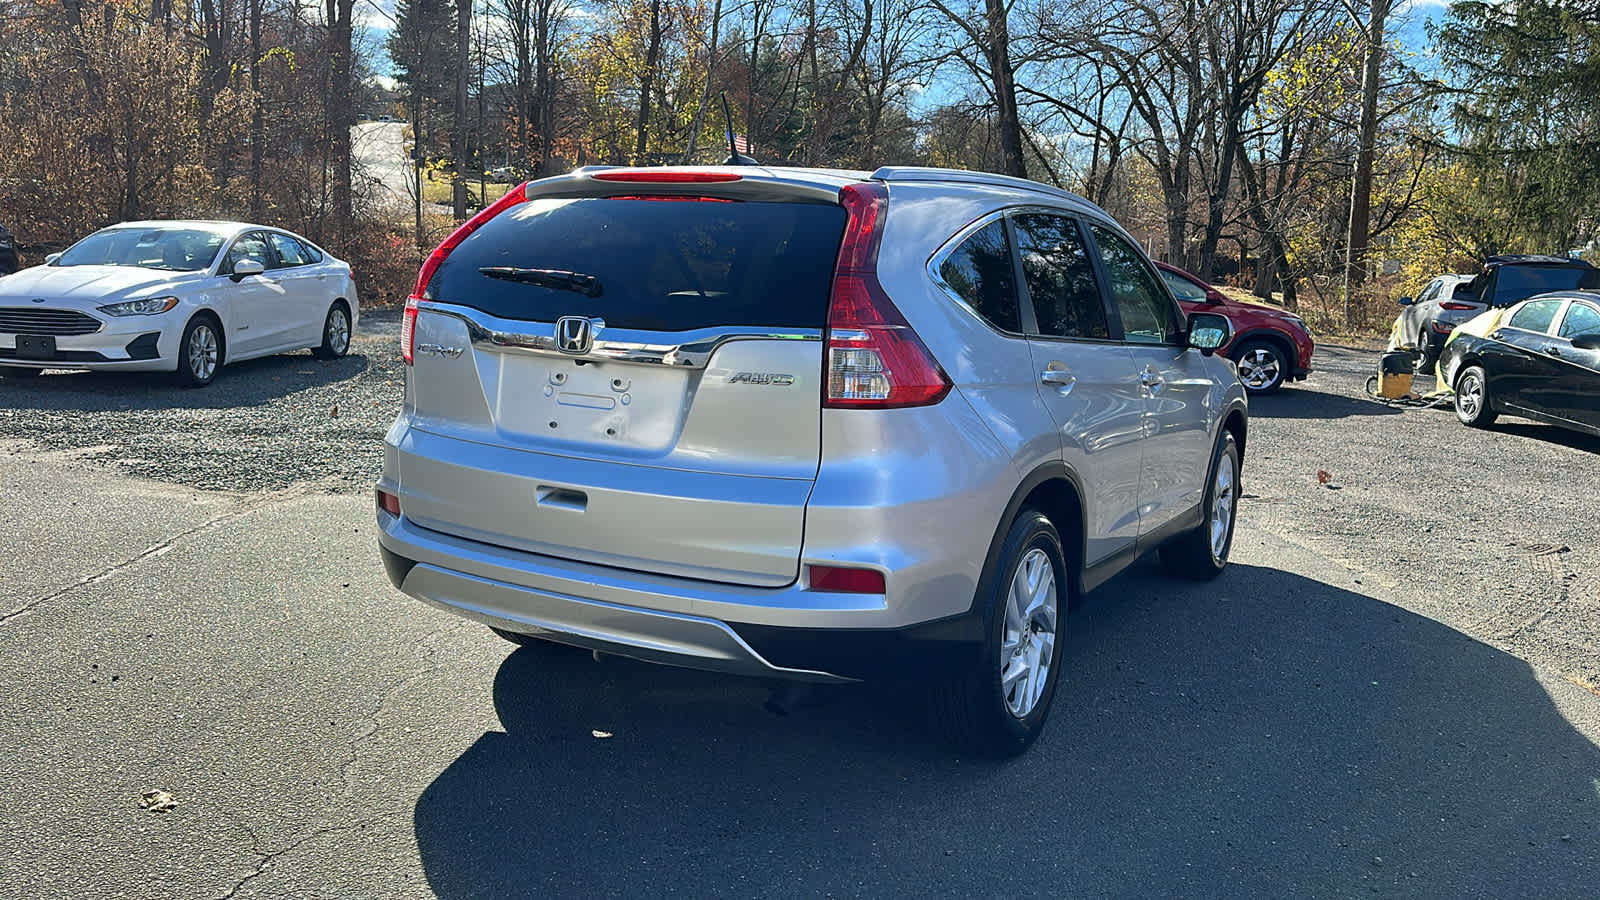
(182, 297)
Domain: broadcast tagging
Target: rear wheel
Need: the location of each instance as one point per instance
(1472, 403)
(1202, 552)
(997, 703)
(1262, 365)
(335, 333)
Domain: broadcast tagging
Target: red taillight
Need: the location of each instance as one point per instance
(408, 324)
(388, 502)
(874, 359)
(845, 581)
(666, 176)
(408, 329)
(1457, 307)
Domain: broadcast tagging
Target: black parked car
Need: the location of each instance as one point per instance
(1542, 361)
(8, 252)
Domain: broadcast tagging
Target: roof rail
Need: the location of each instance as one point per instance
(964, 176)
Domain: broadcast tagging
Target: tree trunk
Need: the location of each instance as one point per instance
(340, 116)
(1359, 235)
(705, 95)
(647, 83)
(1008, 122)
(458, 134)
(258, 119)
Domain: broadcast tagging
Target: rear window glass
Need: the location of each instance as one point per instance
(660, 265)
(1513, 283)
(982, 273)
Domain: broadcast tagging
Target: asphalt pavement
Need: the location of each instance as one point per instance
(1391, 691)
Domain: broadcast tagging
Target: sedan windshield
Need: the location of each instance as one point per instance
(173, 249)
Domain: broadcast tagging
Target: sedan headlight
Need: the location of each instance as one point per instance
(151, 307)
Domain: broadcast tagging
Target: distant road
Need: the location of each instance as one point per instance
(380, 149)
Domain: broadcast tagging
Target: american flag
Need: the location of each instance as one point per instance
(740, 143)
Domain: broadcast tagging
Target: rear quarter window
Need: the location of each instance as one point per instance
(662, 265)
(980, 271)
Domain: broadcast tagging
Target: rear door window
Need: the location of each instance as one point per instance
(289, 250)
(1581, 318)
(657, 264)
(1060, 277)
(982, 273)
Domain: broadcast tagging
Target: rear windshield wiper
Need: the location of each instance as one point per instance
(559, 279)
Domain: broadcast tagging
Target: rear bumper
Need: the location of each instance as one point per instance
(784, 633)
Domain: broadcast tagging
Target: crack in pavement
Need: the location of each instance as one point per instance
(161, 547)
(430, 642)
(267, 856)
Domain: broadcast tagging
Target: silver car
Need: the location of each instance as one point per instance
(800, 424)
(1426, 322)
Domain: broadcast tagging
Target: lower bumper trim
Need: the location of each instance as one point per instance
(649, 635)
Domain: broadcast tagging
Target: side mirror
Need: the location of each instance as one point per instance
(1590, 341)
(50, 259)
(245, 268)
(1405, 301)
(1208, 332)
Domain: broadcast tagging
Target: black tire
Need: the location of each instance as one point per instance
(335, 337)
(971, 705)
(1195, 554)
(1473, 405)
(20, 372)
(193, 368)
(1263, 365)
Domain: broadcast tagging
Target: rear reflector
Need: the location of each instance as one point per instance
(388, 502)
(874, 359)
(845, 581)
(666, 176)
(419, 291)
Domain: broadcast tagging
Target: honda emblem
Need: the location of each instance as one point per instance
(576, 334)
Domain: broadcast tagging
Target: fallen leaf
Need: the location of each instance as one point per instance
(335, 411)
(600, 734)
(157, 801)
(1323, 477)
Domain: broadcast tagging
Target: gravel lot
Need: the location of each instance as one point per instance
(263, 425)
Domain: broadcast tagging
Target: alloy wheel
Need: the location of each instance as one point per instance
(1259, 368)
(1028, 647)
(202, 352)
(1222, 492)
(338, 331)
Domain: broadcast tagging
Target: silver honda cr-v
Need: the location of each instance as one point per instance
(801, 424)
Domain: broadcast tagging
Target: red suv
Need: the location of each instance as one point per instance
(1269, 346)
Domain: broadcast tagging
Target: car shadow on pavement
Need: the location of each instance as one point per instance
(1550, 434)
(250, 383)
(1309, 403)
(1265, 735)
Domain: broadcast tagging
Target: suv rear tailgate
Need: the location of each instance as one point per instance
(682, 438)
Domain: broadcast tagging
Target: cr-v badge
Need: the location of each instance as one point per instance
(439, 350)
